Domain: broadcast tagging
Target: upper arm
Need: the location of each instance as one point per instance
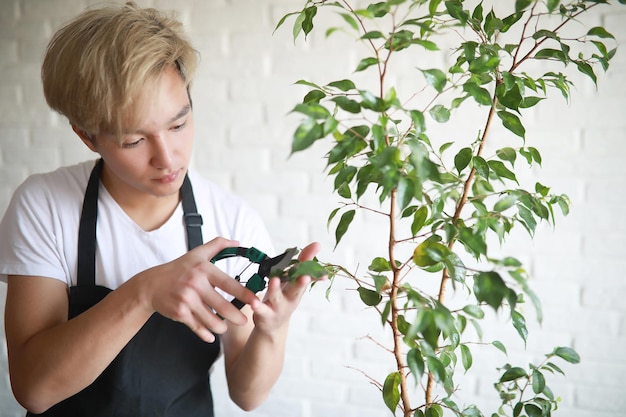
(33, 304)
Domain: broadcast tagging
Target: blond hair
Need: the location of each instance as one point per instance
(97, 66)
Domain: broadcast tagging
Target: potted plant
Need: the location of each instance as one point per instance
(448, 200)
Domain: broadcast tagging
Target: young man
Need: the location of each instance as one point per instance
(108, 241)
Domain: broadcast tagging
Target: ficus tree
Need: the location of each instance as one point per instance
(449, 200)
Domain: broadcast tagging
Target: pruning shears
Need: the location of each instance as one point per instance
(258, 281)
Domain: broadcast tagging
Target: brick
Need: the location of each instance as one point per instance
(243, 93)
(55, 9)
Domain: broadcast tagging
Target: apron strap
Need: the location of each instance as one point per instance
(89, 217)
(87, 230)
(193, 219)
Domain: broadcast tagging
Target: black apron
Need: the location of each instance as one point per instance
(164, 369)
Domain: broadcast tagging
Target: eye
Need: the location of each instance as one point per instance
(179, 126)
(134, 143)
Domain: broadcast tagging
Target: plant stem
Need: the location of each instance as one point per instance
(457, 214)
(393, 298)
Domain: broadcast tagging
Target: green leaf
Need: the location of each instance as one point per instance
(374, 34)
(510, 20)
(549, 53)
(455, 9)
(474, 241)
(350, 20)
(568, 354)
(456, 268)
(490, 288)
(432, 7)
(533, 411)
(372, 102)
(528, 218)
(380, 264)
(466, 357)
(347, 104)
(462, 159)
(366, 63)
(313, 96)
(418, 121)
(507, 154)
(416, 363)
(429, 253)
(307, 22)
(481, 166)
(436, 368)
(313, 110)
(484, 64)
(283, 19)
(493, 24)
(369, 297)
(552, 5)
(520, 5)
(512, 123)
(419, 219)
(587, 69)
(471, 411)
(306, 134)
(391, 391)
(405, 192)
(344, 191)
(379, 9)
(480, 94)
(439, 113)
(505, 203)
(512, 374)
(343, 85)
(519, 322)
(435, 78)
(499, 345)
(474, 311)
(539, 381)
(600, 32)
(311, 268)
(344, 224)
(434, 410)
(501, 170)
(530, 101)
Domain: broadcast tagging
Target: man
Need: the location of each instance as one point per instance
(115, 242)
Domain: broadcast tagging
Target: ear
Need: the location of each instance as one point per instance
(87, 140)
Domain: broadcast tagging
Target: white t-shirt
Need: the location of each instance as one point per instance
(39, 230)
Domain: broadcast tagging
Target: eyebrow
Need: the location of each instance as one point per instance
(185, 110)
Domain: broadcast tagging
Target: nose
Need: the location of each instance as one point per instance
(161, 152)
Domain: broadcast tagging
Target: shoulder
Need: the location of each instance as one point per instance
(225, 213)
(56, 185)
(208, 192)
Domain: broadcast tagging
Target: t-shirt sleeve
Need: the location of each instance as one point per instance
(28, 243)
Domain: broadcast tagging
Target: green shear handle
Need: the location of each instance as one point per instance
(258, 281)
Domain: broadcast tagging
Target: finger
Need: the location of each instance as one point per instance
(214, 246)
(236, 289)
(309, 251)
(223, 281)
(199, 323)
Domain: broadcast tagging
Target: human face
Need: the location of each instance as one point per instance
(152, 158)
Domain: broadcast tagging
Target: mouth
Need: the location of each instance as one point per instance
(169, 178)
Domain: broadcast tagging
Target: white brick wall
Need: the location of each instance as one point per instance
(242, 95)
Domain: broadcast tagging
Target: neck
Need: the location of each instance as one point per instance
(148, 211)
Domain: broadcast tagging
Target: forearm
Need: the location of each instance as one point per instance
(64, 358)
(257, 368)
